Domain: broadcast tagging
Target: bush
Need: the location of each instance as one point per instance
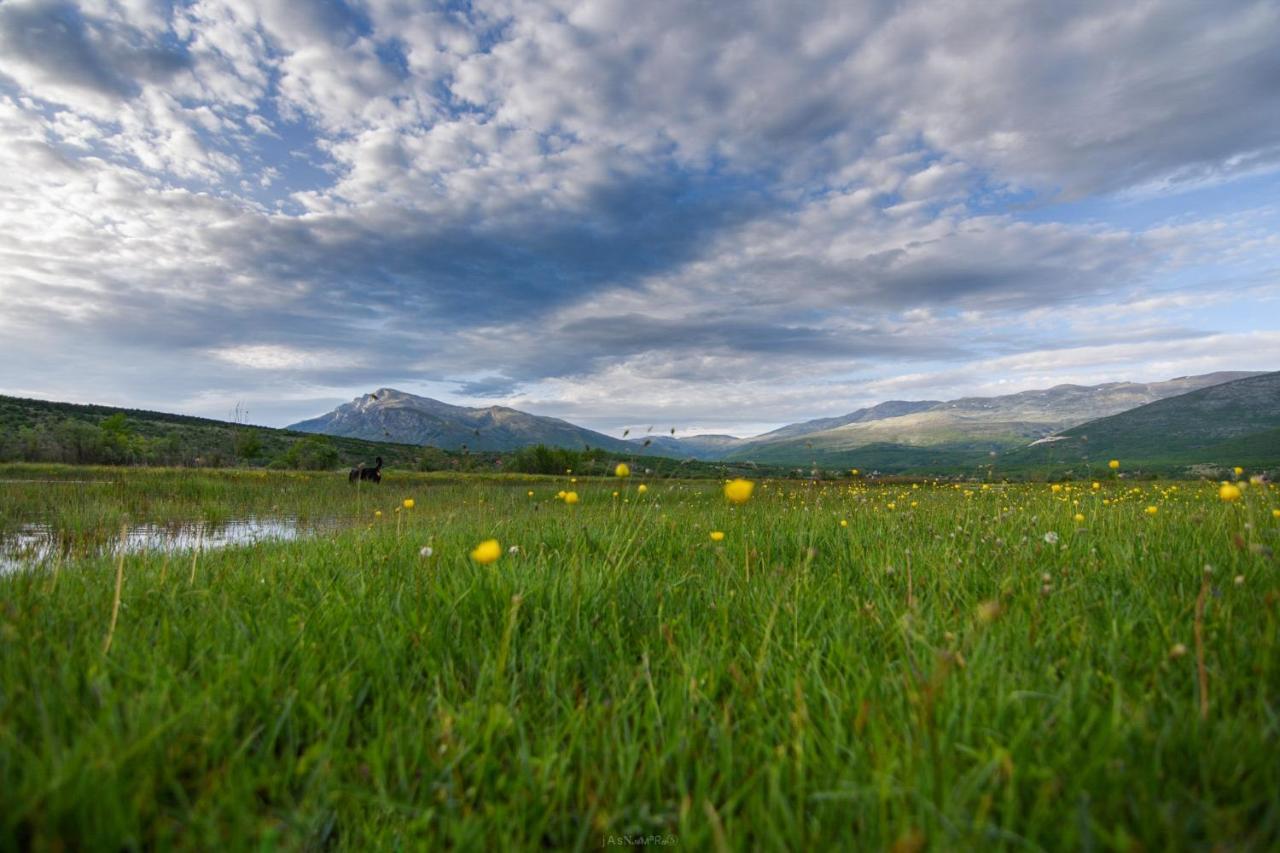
(313, 453)
(541, 459)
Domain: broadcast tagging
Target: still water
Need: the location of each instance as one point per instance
(37, 545)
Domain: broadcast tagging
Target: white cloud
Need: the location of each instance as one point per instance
(275, 357)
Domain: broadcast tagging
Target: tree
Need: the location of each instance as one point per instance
(248, 444)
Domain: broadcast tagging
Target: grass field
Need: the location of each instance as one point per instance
(852, 665)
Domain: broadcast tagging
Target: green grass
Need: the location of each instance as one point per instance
(800, 685)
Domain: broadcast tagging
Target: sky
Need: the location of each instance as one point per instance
(712, 216)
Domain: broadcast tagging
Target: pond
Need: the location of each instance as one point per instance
(36, 545)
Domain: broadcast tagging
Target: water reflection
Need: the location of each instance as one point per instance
(32, 545)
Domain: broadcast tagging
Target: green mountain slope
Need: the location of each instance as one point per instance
(1235, 423)
(45, 431)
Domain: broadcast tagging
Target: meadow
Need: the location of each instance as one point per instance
(844, 664)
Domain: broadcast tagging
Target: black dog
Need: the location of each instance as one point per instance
(362, 473)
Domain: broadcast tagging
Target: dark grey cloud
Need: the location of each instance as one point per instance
(67, 48)
(489, 386)
(411, 270)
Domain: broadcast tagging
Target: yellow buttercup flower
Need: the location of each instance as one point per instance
(1097, 486)
(853, 471)
(844, 522)
(486, 552)
(1229, 492)
(717, 536)
(739, 491)
(1079, 518)
(377, 513)
(1151, 510)
(642, 488)
(571, 497)
(1237, 470)
(622, 470)
(1055, 488)
(1114, 464)
(408, 503)
(1275, 513)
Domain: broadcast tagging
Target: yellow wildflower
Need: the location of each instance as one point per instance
(717, 536)
(622, 470)
(486, 552)
(738, 491)
(408, 503)
(571, 497)
(1229, 492)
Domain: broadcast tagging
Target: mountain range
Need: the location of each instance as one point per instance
(970, 424)
(898, 433)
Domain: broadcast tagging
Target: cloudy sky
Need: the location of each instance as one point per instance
(718, 216)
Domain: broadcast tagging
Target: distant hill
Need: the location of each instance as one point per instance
(391, 415)
(705, 447)
(973, 425)
(1235, 423)
(43, 430)
(713, 447)
(878, 412)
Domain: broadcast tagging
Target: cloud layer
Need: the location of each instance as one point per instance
(725, 215)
